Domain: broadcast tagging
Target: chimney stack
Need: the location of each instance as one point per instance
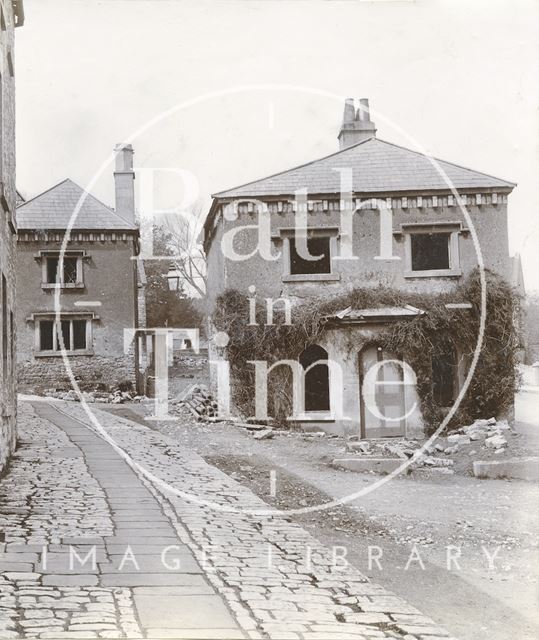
(356, 124)
(124, 178)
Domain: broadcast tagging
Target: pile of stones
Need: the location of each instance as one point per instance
(115, 397)
(490, 433)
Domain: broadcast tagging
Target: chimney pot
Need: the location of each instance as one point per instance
(349, 111)
(364, 112)
(357, 125)
(124, 182)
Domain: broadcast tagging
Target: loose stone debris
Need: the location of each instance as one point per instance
(114, 397)
(488, 435)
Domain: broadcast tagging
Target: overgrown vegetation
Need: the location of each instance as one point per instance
(415, 340)
(166, 307)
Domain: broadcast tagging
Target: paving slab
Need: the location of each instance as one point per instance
(149, 579)
(191, 590)
(70, 580)
(172, 561)
(183, 612)
(207, 634)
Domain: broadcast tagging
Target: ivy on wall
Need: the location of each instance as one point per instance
(417, 341)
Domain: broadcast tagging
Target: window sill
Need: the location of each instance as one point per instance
(312, 277)
(434, 273)
(59, 354)
(69, 285)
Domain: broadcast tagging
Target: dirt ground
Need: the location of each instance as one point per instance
(426, 513)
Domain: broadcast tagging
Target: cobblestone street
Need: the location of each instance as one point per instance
(92, 548)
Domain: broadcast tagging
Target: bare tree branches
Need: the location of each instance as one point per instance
(188, 258)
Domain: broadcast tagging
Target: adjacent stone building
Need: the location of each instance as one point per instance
(11, 16)
(79, 294)
(347, 201)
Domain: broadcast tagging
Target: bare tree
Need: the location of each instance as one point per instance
(188, 257)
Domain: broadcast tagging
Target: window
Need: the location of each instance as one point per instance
(318, 247)
(321, 244)
(70, 275)
(69, 333)
(430, 251)
(316, 378)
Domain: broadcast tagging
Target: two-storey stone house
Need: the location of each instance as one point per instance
(375, 213)
(11, 16)
(78, 298)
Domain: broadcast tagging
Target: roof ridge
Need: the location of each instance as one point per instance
(349, 151)
(23, 204)
(299, 166)
(453, 164)
(88, 194)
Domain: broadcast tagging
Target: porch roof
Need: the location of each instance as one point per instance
(376, 314)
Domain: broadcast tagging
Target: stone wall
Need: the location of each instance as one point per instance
(90, 372)
(109, 294)
(8, 413)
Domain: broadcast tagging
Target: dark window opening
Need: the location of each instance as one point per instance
(79, 334)
(444, 376)
(430, 251)
(69, 272)
(52, 269)
(46, 335)
(68, 334)
(316, 378)
(318, 246)
(65, 330)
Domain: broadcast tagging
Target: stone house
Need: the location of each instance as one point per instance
(11, 16)
(84, 297)
(374, 213)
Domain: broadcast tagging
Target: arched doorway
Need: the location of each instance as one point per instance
(316, 381)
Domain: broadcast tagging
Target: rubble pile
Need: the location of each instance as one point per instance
(477, 440)
(393, 448)
(482, 434)
(115, 397)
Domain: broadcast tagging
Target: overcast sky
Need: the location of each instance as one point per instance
(459, 78)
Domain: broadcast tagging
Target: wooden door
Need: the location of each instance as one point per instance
(382, 414)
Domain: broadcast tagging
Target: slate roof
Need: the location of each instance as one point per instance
(53, 209)
(377, 166)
